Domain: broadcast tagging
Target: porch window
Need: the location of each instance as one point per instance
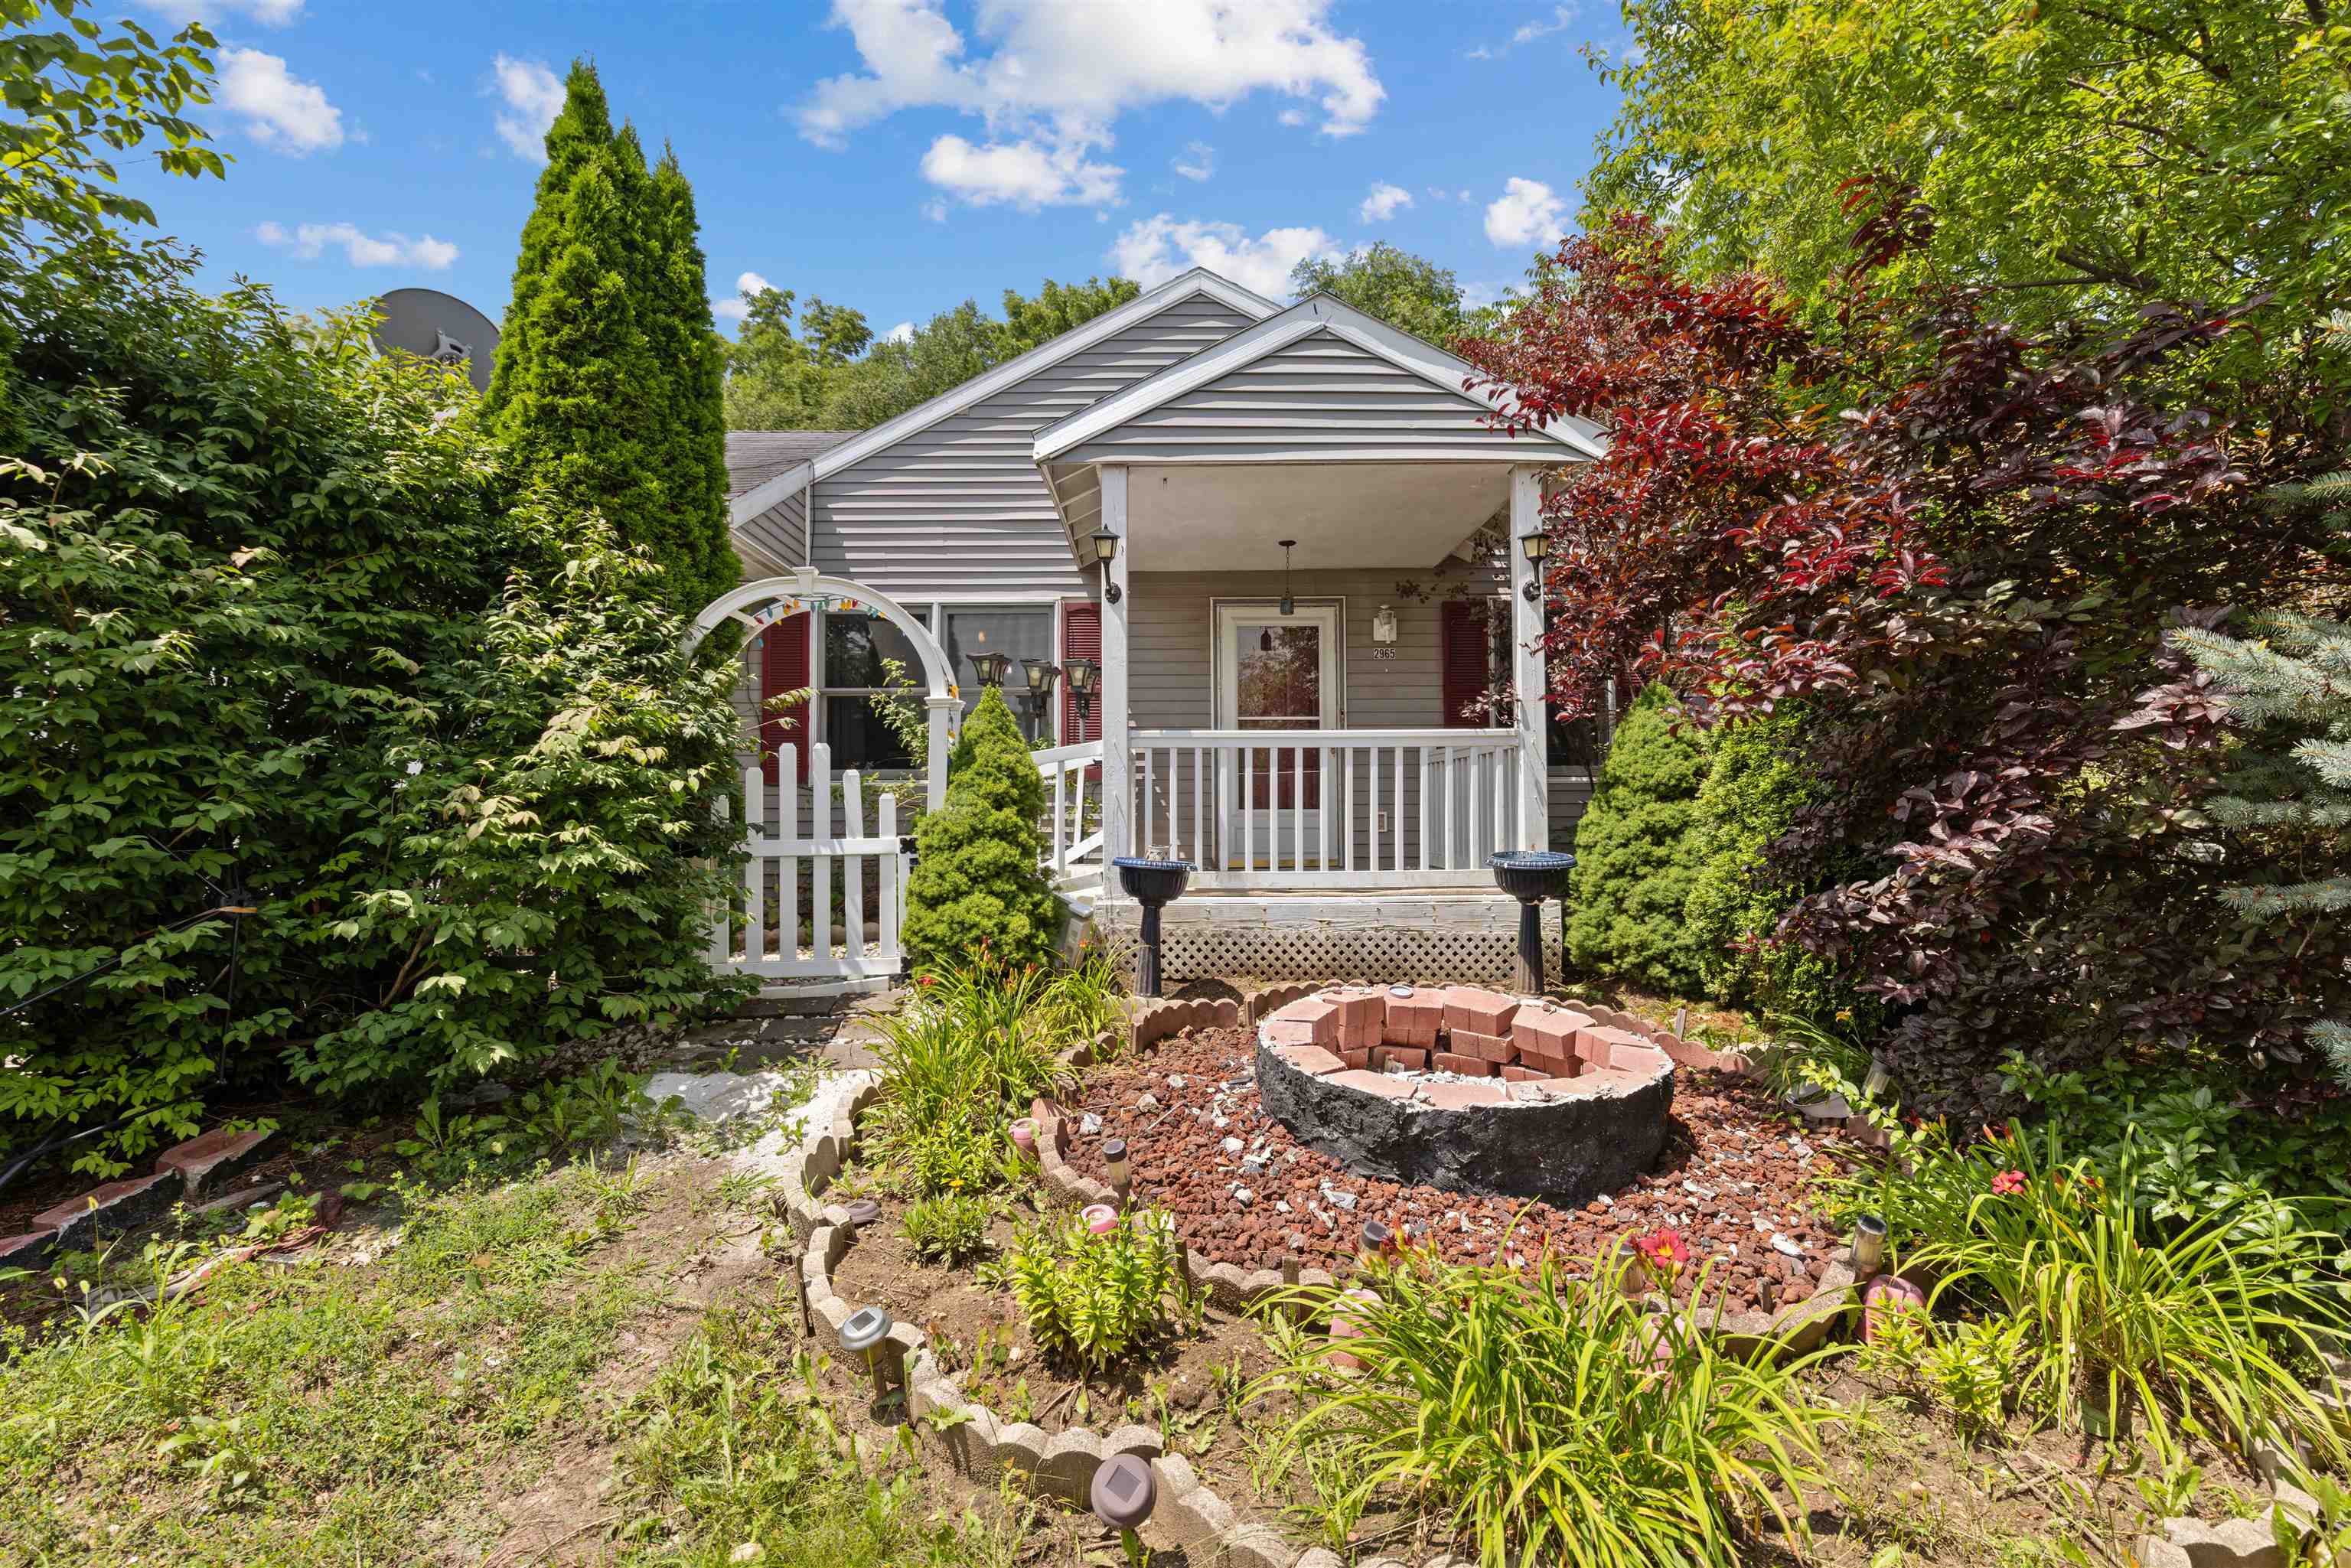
(1024, 632)
(858, 651)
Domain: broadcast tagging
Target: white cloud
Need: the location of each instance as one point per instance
(1293, 117)
(279, 111)
(1028, 174)
(1196, 161)
(1153, 250)
(903, 333)
(935, 209)
(1058, 74)
(1383, 203)
(533, 96)
(739, 306)
(269, 13)
(1528, 211)
(1561, 17)
(310, 242)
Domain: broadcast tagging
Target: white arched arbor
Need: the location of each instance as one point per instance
(756, 606)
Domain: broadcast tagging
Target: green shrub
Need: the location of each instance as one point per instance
(1755, 784)
(279, 632)
(1549, 1419)
(1092, 1298)
(948, 1226)
(1637, 854)
(977, 886)
(2127, 1316)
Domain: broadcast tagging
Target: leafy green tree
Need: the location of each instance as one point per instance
(1409, 292)
(976, 878)
(1756, 782)
(279, 630)
(599, 360)
(68, 90)
(1638, 853)
(2080, 161)
(777, 380)
(1056, 309)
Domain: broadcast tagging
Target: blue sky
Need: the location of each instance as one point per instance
(901, 156)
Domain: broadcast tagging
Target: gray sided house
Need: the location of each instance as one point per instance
(1283, 543)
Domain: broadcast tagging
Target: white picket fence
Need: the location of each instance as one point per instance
(1073, 835)
(788, 828)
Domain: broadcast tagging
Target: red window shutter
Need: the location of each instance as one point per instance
(1462, 650)
(1081, 639)
(784, 667)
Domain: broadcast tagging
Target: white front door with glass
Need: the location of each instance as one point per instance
(1275, 672)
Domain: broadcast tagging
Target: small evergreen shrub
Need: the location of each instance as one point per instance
(977, 885)
(1092, 1298)
(1755, 784)
(1637, 854)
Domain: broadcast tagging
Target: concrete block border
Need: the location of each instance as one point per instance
(981, 1446)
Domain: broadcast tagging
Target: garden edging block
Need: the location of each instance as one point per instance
(118, 1206)
(213, 1156)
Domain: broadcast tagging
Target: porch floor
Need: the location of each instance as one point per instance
(1417, 936)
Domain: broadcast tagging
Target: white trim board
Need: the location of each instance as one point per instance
(1011, 372)
(1319, 312)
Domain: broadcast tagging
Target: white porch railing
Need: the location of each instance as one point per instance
(1355, 808)
(1074, 837)
(760, 930)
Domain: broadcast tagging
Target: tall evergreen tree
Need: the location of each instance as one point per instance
(599, 386)
(687, 347)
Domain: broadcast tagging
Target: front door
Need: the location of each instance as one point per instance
(1275, 672)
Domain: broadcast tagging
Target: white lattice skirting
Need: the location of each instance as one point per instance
(1425, 939)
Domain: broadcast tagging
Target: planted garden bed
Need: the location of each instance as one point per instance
(1730, 1179)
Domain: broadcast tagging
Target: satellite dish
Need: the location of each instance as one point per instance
(437, 327)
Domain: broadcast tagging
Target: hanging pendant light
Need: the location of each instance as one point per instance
(1289, 603)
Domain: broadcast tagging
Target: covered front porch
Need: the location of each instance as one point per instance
(1314, 608)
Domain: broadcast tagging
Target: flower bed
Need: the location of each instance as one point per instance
(1729, 1180)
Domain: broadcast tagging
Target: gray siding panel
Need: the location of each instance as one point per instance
(1319, 397)
(778, 536)
(959, 507)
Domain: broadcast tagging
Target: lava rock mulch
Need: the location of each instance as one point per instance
(1243, 1191)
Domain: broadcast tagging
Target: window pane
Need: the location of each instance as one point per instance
(855, 646)
(858, 737)
(1026, 635)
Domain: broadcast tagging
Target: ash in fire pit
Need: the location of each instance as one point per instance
(1467, 1089)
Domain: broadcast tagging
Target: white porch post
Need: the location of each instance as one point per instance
(1117, 787)
(1529, 674)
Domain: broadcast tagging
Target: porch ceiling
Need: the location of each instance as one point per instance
(1203, 518)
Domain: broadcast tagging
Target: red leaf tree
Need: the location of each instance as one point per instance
(1956, 550)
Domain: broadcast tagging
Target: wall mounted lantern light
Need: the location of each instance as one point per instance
(1536, 546)
(1384, 625)
(1106, 552)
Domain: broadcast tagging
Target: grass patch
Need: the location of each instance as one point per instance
(318, 1413)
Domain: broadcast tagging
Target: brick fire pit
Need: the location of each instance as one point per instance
(1467, 1089)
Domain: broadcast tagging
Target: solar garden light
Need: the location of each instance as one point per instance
(1122, 1176)
(1024, 1136)
(1377, 1238)
(861, 1333)
(1880, 1079)
(990, 668)
(1122, 1496)
(1868, 1245)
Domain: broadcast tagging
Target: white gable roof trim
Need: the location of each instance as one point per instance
(1320, 313)
(1011, 372)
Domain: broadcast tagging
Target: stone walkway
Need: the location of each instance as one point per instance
(776, 1034)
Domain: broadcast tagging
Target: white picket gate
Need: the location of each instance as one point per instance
(788, 829)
